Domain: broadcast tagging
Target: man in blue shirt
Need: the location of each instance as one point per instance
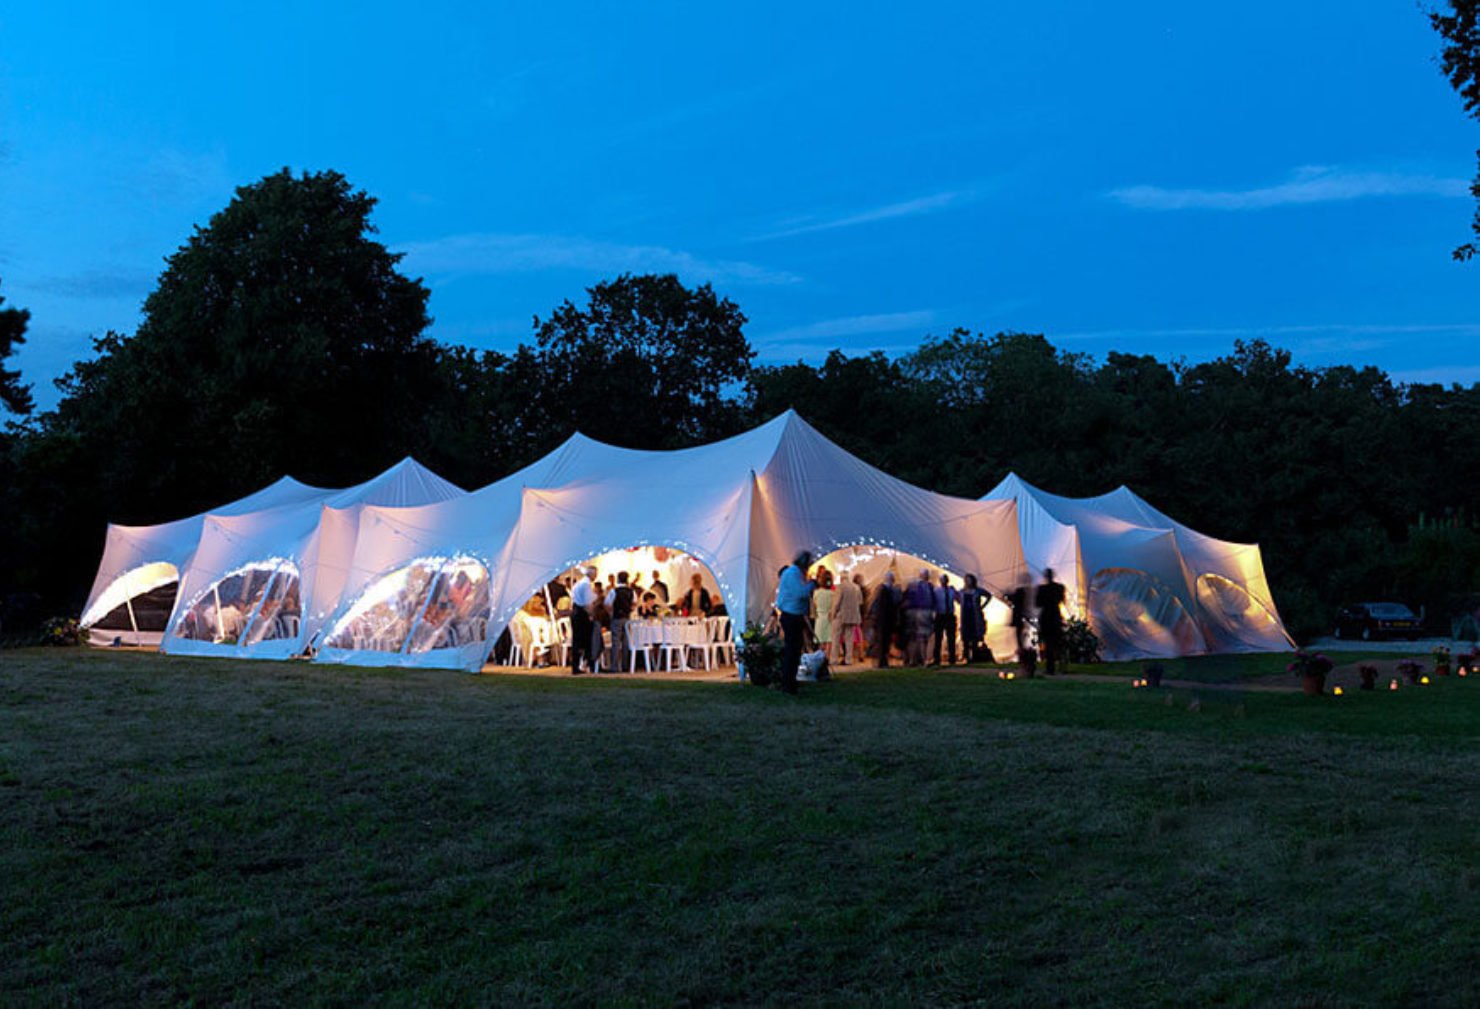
(946, 598)
(794, 601)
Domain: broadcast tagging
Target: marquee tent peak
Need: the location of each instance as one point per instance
(1150, 586)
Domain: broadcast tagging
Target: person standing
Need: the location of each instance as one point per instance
(619, 602)
(1050, 600)
(884, 613)
(695, 602)
(847, 615)
(660, 588)
(946, 597)
(973, 619)
(793, 602)
(919, 604)
(582, 595)
(822, 612)
(1018, 601)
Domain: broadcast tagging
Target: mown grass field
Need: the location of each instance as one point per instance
(211, 832)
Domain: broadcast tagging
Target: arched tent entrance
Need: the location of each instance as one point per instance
(142, 566)
(257, 602)
(873, 562)
(135, 607)
(433, 604)
(671, 585)
(281, 573)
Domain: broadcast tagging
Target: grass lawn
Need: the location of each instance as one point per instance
(1233, 668)
(215, 832)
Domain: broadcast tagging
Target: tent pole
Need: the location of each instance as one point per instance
(216, 591)
(132, 622)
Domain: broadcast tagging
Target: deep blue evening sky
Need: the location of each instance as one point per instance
(1154, 177)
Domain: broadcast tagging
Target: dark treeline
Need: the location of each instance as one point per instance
(282, 338)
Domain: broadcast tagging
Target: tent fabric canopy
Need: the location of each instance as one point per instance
(139, 559)
(742, 507)
(408, 569)
(310, 543)
(1150, 586)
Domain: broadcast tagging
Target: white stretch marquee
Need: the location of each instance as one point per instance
(139, 559)
(310, 543)
(1150, 586)
(742, 507)
(409, 570)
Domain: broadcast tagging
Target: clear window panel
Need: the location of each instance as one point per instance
(221, 613)
(458, 611)
(382, 617)
(278, 619)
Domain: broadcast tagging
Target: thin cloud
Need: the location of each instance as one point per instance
(1332, 335)
(1312, 184)
(908, 208)
(1464, 374)
(101, 284)
(485, 253)
(853, 325)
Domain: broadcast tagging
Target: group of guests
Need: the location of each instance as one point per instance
(921, 620)
(598, 611)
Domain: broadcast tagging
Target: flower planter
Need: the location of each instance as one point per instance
(1441, 669)
(1314, 684)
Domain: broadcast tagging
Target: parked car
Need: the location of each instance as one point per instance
(1370, 621)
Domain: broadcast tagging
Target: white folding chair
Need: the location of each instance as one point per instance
(672, 643)
(562, 640)
(639, 640)
(699, 639)
(724, 644)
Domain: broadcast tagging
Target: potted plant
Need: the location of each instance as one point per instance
(1369, 676)
(760, 656)
(1410, 670)
(1153, 672)
(1441, 661)
(1312, 667)
(62, 631)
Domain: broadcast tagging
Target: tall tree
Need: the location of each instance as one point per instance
(646, 363)
(14, 396)
(281, 338)
(1459, 26)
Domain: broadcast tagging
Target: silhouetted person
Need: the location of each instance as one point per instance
(582, 596)
(883, 612)
(794, 602)
(973, 619)
(1017, 599)
(946, 597)
(1050, 599)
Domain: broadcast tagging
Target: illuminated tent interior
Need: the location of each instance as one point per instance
(874, 562)
(261, 584)
(740, 508)
(407, 569)
(139, 574)
(1149, 586)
